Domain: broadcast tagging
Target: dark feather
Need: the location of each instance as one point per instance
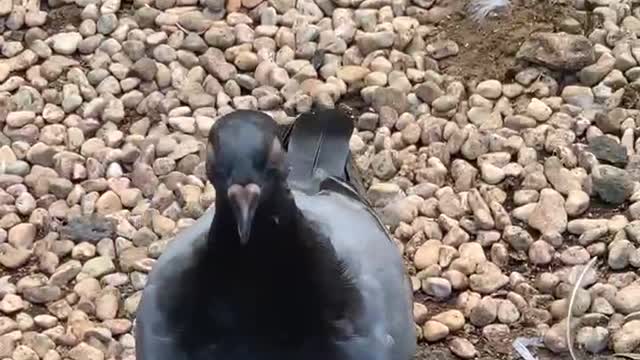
(350, 183)
(320, 140)
(319, 148)
(283, 133)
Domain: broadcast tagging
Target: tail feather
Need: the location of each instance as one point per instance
(318, 148)
(320, 158)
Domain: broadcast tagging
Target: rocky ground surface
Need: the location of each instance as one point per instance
(503, 156)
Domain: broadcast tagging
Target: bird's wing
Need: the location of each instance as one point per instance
(155, 333)
(318, 148)
(350, 181)
(376, 267)
(322, 176)
(154, 340)
(318, 151)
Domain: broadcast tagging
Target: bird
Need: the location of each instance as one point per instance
(290, 263)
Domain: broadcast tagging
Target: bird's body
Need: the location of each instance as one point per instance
(319, 279)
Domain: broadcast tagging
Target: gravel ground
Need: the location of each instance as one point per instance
(503, 156)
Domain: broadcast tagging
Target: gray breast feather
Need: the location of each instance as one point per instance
(371, 258)
(374, 263)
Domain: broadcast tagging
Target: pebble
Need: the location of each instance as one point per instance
(434, 331)
(437, 287)
(560, 51)
(427, 254)
(539, 110)
(488, 283)
(442, 49)
(66, 43)
(22, 235)
(612, 184)
(84, 351)
(541, 252)
(627, 339)
(462, 348)
(549, 215)
(594, 340)
(12, 257)
(508, 313)
(485, 312)
(453, 319)
(98, 266)
(577, 202)
(490, 89)
(555, 339)
(607, 149)
(11, 303)
(627, 300)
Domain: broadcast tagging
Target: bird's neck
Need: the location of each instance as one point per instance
(287, 275)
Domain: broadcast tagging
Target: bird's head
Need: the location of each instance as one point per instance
(245, 161)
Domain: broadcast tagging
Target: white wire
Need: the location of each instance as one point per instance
(571, 300)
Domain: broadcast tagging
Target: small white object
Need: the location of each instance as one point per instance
(479, 10)
(520, 345)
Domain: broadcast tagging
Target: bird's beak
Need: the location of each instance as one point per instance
(244, 201)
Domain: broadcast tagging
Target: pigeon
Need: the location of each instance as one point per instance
(291, 263)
